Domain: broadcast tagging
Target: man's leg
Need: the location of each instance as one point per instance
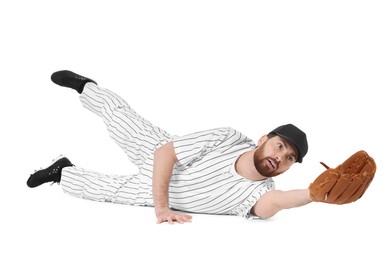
(134, 134)
(96, 186)
(82, 183)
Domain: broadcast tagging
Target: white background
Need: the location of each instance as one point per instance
(189, 66)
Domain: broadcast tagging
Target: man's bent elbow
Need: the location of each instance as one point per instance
(264, 214)
(266, 207)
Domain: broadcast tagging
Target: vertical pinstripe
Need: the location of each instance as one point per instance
(204, 180)
(135, 135)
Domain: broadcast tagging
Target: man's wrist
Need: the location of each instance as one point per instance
(160, 209)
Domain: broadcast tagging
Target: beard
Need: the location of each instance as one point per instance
(262, 164)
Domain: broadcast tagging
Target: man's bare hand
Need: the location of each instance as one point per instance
(170, 216)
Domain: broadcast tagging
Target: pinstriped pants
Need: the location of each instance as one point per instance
(136, 136)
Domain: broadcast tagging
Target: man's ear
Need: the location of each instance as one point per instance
(262, 140)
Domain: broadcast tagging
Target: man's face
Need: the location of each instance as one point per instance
(274, 156)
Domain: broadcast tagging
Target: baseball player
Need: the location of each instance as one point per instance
(216, 171)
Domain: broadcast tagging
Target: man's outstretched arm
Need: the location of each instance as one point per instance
(357, 171)
(164, 161)
(274, 201)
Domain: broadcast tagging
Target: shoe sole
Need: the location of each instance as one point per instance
(70, 74)
(52, 162)
(42, 169)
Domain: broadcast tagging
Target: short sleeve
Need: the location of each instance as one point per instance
(244, 210)
(195, 146)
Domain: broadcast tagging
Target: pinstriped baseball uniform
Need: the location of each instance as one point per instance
(204, 180)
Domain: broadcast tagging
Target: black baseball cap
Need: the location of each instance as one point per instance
(296, 136)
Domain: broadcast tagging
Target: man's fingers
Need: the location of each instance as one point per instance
(184, 218)
(160, 220)
(187, 218)
(171, 219)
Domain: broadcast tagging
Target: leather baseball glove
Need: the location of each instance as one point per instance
(347, 182)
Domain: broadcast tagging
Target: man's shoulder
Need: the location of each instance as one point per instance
(234, 131)
(237, 135)
(218, 133)
(227, 131)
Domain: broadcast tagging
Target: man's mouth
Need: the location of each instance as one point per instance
(272, 163)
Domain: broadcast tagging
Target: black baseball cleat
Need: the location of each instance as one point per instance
(49, 174)
(69, 79)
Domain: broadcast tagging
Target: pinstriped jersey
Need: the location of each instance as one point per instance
(205, 180)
